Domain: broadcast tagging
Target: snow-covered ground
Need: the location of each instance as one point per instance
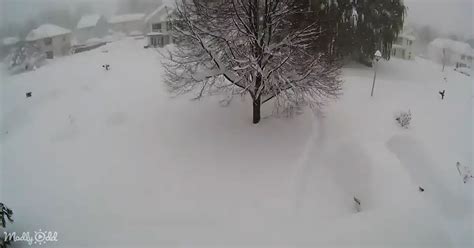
(110, 159)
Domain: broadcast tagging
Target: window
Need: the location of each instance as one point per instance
(48, 41)
(394, 52)
(156, 41)
(463, 57)
(409, 55)
(49, 54)
(169, 26)
(156, 27)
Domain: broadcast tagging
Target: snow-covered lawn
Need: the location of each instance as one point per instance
(109, 158)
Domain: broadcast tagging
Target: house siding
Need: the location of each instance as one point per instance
(158, 39)
(60, 45)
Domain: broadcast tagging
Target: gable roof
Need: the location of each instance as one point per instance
(88, 21)
(163, 11)
(46, 31)
(126, 18)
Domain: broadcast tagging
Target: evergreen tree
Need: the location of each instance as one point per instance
(356, 27)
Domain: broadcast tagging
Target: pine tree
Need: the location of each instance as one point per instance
(357, 27)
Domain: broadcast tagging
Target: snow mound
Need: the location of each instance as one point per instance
(94, 40)
(45, 31)
(88, 21)
(136, 33)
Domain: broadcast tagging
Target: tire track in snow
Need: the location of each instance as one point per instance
(331, 171)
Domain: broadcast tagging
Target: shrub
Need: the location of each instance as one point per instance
(5, 216)
(24, 58)
(403, 118)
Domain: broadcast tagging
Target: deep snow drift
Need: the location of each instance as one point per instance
(108, 158)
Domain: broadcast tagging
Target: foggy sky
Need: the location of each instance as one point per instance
(446, 16)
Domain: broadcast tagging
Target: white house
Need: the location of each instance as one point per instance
(158, 26)
(89, 27)
(53, 40)
(130, 24)
(452, 52)
(403, 46)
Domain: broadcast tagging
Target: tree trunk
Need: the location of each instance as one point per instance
(256, 110)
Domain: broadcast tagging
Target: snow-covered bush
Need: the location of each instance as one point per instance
(403, 118)
(24, 58)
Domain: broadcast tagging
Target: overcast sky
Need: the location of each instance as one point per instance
(447, 16)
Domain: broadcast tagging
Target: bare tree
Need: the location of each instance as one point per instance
(249, 47)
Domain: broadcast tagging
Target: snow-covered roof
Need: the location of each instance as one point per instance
(126, 18)
(455, 46)
(88, 21)
(10, 41)
(45, 31)
(160, 10)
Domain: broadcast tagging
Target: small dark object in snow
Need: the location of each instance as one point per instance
(442, 94)
(28, 94)
(357, 204)
(107, 67)
(464, 172)
(421, 189)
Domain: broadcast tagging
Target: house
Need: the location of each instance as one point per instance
(90, 27)
(158, 26)
(450, 52)
(8, 44)
(131, 24)
(403, 46)
(53, 40)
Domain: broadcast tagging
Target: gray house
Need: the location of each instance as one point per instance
(53, 40)
(131, 24)
(89, 27)
(158, 26)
